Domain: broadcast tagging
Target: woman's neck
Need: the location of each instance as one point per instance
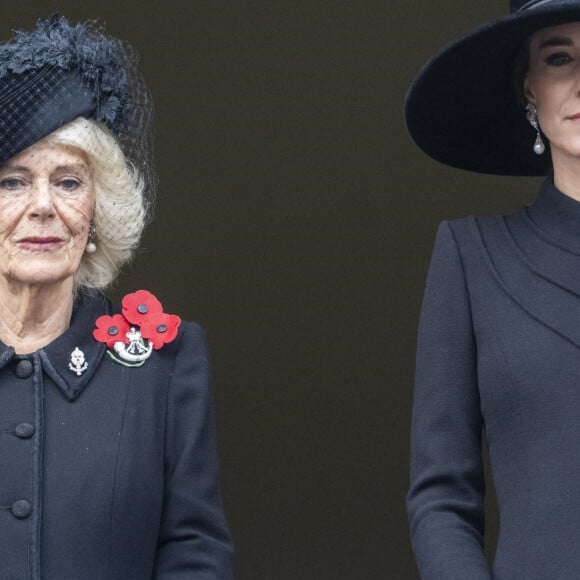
(33, 316)
(567, 176)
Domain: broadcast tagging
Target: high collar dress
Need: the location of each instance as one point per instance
(109, 471)
(499, 358)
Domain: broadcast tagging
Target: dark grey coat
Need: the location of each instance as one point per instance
(111, 474)
(499, 354)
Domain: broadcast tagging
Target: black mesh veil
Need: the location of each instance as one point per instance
(34, 103)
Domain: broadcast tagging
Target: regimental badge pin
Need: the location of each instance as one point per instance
(137, 351)
(77, 363)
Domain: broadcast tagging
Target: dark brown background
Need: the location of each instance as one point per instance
(295, 222)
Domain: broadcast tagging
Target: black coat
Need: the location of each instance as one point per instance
(110, 474)
(499, 355)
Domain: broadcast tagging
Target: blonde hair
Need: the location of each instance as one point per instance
(120, 206)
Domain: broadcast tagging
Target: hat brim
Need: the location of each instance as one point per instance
(462, 108)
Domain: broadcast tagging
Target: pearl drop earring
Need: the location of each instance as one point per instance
(532, 116)
(91, 247)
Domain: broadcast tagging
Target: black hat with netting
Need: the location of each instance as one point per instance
(58, 72)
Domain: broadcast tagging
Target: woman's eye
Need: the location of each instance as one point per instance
(69, 184)
(11, 183)
(558, 59)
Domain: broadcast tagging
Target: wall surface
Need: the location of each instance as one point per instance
(295, 222)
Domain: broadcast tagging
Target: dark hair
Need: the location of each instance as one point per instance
(520, 70)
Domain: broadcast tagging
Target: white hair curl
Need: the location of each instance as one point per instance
(120, 206)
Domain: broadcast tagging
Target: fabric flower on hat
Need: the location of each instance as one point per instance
(102, 60)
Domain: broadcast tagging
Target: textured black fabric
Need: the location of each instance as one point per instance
(100, 61)
(121, 470)
(36, 103)
(499, 354)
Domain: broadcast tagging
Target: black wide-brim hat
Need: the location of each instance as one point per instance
(463, 110)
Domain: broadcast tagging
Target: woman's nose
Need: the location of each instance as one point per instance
(41, 202)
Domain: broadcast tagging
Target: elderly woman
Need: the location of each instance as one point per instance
(107, 442)
(499, 337)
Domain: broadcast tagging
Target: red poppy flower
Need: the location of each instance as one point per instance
(160, 328)
(111, 329)
(139, 306)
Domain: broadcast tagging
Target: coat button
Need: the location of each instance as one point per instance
(24, 369)
(21, 509)
(24, 430)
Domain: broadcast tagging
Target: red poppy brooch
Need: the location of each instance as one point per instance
(142, 327)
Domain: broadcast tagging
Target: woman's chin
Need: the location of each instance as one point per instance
(39, 274)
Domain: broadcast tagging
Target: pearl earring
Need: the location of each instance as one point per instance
(91, 247)
(532, 116)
